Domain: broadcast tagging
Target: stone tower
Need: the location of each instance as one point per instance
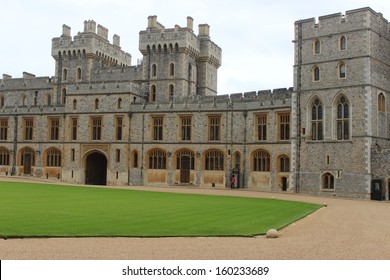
(76, 57)
(341, 79)
(177, 63)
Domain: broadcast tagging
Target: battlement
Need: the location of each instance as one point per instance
(159, 39)
(92, 42)
(28, 82)
(263, 99)
(356, 19)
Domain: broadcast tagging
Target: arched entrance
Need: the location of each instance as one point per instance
(96, 169)
(284, 184)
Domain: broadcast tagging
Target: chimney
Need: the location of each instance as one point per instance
(116, 40)
(152, 21)
(90, 26)
(27, 75)
(7, 77)
(204, 30)
(190, 23)
(102, 32)
(65, 30)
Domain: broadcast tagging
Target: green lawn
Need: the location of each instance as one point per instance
(33, 210)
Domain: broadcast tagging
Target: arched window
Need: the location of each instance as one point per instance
(119, 103)
(96, 104)
(317, 47)
(53, 157)
(317, 120)
(79, 73)
(284, 164)
(342, 73)
(171, 92)
(2, 101)
(4, 156)
(65, 75)
(154, 70)
(327, 181)
(381, 103)
(180, 155)
(316, 73)
(343, 43)
(214, 160)
(157, 159)
(172, 69)
(153, 93)
(74, 104)
(48, 100)
(342, 119)
(135, 159)
(63, 97)
(261, 161)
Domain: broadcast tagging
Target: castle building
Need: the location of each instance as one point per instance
(102, 121)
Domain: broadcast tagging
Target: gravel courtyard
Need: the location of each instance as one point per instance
(345, 229)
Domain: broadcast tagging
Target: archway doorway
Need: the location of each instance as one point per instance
(96, 169)
(27, 160)
(185, 169)
(284, 184)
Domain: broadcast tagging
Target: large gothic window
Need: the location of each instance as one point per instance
(214, 160)
(343, 119)
(327, 181)
(317, 120)
(157, 159)
(53, 157)
(261, 161)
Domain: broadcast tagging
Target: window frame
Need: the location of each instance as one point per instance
(214, 128)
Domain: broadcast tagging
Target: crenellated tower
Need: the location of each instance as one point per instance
(177, 62)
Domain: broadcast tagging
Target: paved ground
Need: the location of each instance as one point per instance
(345, 229)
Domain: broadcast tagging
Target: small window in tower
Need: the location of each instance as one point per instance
(343, 43)
(79, 73)
(96, 104)
(316, 73)
(171, 92)
(342, 73)
(172, 69)
(154, 70)
(317, 47)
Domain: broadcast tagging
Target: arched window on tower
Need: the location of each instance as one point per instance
(316, 46)
(154, 70)
(316, 73)
(2, 101)
(65, 75)
(317, 120)
(343, 43)
(342, 70)
(79, 73)
(381, 103)
(96, 104)
(63, 96)
(342, 119)
(48, 100)
(172, 69)
(153, 93)
(119, 103)
(171, 92)
(74, 104)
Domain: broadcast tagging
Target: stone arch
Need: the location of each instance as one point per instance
(27, 160)
(95, 163)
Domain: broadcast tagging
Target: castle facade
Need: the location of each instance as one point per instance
(102, 121)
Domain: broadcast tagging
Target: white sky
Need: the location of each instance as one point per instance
(255, 36)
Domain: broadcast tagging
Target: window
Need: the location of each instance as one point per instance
(74, 104)
(316, 73)
(261, 121)
(79, 73)
(65, 75)
(119, 128)
(63, 96)
(53, 157)
(343, 43)
(153, 93)
(3, 129)
(4, 157)
(342, 120)
(284, 126)
(154, 70)
(119, 103)
(74, 125)
(54, 128)
(158, 123)
(135, 159)
(327, 181)
(2, 101)
(316, 120)
(72, 155)
(48, 100)
(342, 70)
(28, 129)
(171, 92)
(118, 155)
(261, 161)
(185, 154)
(157, 159)
(96, 104)
(97, 128)
(214, 160)
(215, 128)
(284, 164)
(186, 128)
(317, 47)
(381, 103)
(172, 69)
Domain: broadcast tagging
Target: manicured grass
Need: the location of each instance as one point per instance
(34, 210)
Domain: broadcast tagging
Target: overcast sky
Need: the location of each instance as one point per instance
(255, 35)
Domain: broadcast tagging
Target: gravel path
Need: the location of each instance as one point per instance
(345, 229)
